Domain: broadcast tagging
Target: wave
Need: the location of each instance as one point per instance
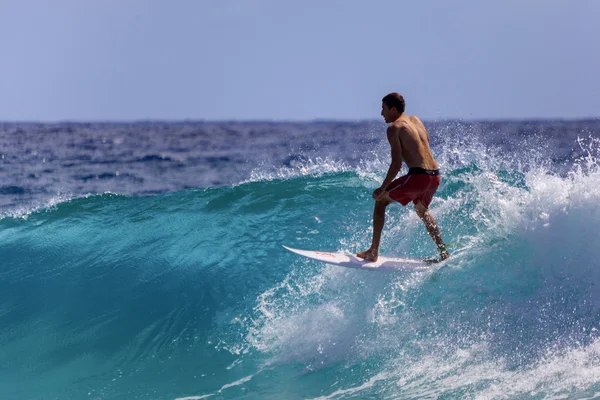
(111, 286)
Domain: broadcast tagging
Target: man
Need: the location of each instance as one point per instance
(410, 143)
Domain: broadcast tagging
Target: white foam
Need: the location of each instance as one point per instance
(224, 387)
(310, 167)
(470, 373)
(50, 204)
(313, 317)
(25, 211)
(354, 390)
(237, 383)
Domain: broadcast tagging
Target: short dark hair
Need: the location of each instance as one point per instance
(395, 100)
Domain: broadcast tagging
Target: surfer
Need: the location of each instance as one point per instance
(410, 143)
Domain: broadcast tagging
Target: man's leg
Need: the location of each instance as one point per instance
(378, 222)
(432, 229)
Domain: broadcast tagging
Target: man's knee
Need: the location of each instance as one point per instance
(382, 203)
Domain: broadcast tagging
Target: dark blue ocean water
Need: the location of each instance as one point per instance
(144, 261)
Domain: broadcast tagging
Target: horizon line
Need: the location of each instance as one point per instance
(289, 121)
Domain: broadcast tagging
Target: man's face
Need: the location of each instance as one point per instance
(387, 113)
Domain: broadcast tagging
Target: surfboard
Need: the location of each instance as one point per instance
(351, 261)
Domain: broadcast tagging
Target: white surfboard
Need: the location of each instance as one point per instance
(351, 261)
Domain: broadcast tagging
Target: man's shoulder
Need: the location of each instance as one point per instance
(414, 119)
(415, 124)
(397, 128)
(403, 125)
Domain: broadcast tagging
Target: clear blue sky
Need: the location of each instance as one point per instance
(297, 60)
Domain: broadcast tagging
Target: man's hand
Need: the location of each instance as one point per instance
(379, 194)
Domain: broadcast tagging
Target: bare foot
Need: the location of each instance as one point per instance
(444, 254)
(368, 255)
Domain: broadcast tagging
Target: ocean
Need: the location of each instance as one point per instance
(144, 261)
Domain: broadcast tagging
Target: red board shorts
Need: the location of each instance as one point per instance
(418, 186)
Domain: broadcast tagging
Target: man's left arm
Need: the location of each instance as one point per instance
(396, 164)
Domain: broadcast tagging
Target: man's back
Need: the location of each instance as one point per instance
(415, 143)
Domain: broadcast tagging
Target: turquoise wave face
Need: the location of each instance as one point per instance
(190, 294)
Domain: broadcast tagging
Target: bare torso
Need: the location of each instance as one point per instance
(415, 142)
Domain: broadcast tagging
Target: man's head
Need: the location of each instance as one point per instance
(392, 107)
